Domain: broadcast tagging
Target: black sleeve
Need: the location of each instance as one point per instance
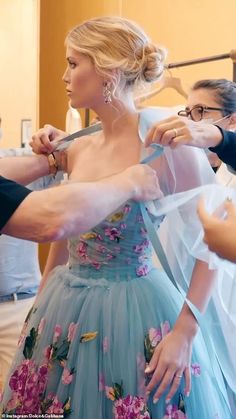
(11, 196)
(226, 150)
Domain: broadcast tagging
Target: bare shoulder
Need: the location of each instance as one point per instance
(80, 144)
(80, 147)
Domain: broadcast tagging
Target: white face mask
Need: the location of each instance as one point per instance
(211, 120)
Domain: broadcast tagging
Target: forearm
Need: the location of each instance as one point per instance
(67, 210)
(58, 255)
(220, 237)
(200, 290)
(226, 148)
(24, 169)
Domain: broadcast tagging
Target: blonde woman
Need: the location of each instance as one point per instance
(110, 335)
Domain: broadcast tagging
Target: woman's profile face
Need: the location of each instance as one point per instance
(84, 85)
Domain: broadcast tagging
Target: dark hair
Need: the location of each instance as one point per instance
(224, 91)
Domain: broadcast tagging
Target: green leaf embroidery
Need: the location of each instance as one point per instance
(181, 405)
(118, 390)
(66, 408)
(30, 342)
(60, 352)
(148, 349)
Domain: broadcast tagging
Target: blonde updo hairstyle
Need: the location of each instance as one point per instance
(120, 51)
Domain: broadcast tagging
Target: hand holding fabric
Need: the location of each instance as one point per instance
(176, 130)
(144, 181)
(220, 233)
(41, 140)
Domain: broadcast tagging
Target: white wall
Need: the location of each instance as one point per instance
(19, 23)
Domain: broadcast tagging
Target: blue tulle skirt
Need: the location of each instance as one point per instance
(86, 342)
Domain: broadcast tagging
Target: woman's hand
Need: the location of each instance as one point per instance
(144, 181)
(176, 130)
(219, 234)
(41, 141)
(170, 361)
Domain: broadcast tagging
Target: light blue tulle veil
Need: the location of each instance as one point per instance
(189, 177)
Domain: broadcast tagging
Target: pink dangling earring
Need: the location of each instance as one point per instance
(107, 92)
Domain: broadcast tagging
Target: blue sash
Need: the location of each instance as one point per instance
(157, 246)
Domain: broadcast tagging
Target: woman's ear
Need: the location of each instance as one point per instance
(232, 121)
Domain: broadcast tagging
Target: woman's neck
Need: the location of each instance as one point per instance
(118, 118)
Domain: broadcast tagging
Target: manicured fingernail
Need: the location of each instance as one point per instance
(187, 394)
(147, 370)
(155, 400)
(167, 401)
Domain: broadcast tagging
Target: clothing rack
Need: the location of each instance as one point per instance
(231, 54)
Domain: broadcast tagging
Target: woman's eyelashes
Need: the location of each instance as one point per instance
(72, 64)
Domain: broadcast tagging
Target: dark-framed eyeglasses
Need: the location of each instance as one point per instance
(197, 112)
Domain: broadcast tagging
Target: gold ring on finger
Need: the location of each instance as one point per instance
(175, 132)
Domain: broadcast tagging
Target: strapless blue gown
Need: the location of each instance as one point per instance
(86, 342)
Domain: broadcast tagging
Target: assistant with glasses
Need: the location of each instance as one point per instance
(211, 101)
(203, 98)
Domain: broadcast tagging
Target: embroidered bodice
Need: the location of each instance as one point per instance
(118, 245)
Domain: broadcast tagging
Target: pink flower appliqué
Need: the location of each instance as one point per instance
(141, 364)
(109, 256)
(142, 270)
(13, 402)
(67, 376)
(47, 352)
(72, 331)
(96, 265)
(165, 328)
(102, 385)
(101, 248)
(56, 407)
(172, 412)
(28, 383)
(141, 247)
(143, 231)
(127, 209)
(57, 333)
(105, 344)
(139, 219)
(41, 325)
(130, 407)
(21, 340)
(82, 250)
(155, 336)
(195, 369)
(113, 233)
